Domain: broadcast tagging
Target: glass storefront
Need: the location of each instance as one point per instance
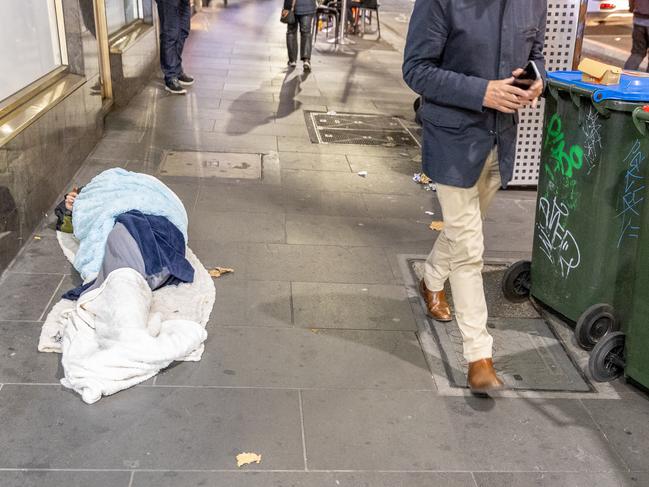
(120, 13)
(30, 46)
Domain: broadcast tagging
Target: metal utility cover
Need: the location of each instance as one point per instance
(359, 129)
(232, 165)
(527, 354)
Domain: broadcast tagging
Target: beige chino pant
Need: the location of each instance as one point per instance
(457, 256)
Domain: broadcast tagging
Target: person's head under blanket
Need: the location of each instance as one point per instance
(140, 237)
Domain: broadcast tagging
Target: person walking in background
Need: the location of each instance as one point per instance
(304, 12)
(175, 22)
(640, 36)
(462, 57)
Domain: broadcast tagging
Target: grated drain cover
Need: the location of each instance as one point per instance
(527, 354)
(360, 129)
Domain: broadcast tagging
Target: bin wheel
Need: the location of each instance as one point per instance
(517, 281)
(607, 360)
(595, 323)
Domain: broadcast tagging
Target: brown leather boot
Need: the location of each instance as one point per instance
(438, 307)
(482, 376)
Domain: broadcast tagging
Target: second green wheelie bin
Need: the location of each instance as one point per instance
(590, 192)
(627, 352)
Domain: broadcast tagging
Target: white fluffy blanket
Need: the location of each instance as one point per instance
(122, 334)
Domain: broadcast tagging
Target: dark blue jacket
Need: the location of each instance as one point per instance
(162, 247)
(454, 47)
(302, 7)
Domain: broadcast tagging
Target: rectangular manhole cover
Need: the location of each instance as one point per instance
(359, 129)
(527, 354)
(233, 165)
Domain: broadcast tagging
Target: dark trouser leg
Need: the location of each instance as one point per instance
(169, 35)
(639, 49)
(306, 22)
(185, 20)
(291, 41)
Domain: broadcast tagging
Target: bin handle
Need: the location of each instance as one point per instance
(640, 118)
(577, 92)
(554, 92)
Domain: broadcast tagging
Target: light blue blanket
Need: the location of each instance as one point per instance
(107, 196)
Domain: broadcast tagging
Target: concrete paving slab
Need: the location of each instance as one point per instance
(252, 303)
(315, 263)
(626, 425)
(314, 162)
(240, 198)
(42, 256)
(146, 427)
(24, 297)
(304, 263)
(398, 164)
(302, 479)
(417, 206)
(40, 478)
(311, 204)
(302, 358)
(337, 181)
(187, 192)
(20, 361)
(359, 231)
(237, 227)
(554, 479)
(353, 306)
(404, 430)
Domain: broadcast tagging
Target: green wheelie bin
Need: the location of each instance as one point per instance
(590, 193)
(625, 352)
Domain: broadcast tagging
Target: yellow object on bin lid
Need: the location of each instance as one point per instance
(599, 73)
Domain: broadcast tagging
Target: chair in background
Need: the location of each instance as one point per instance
(329, 13)
(362, 8)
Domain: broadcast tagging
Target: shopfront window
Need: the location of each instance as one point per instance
(120, 13)
(30, 45)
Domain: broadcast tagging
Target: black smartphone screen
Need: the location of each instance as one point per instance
(527, 78)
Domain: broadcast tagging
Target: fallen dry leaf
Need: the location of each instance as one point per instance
(37, 237)
(247, 458)
(219, 271)
(437, 226)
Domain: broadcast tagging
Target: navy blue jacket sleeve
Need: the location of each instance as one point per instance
(425, 45)
(536, 54)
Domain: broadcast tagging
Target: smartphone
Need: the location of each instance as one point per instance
(527, 78)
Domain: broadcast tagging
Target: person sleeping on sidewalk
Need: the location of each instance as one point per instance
(149, 244)
(145, 299)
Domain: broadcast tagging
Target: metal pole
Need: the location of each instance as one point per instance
(343, 24)
(101, 26)
(579, 41)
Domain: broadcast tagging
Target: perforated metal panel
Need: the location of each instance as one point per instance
(562, 32)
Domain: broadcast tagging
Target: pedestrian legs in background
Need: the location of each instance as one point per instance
(306, 40)
(291, 43)
(304, 23)
(458, 256)
(640, 39)
(185, 14)
(175, 18)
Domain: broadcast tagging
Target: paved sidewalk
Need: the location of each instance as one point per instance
(313, 359)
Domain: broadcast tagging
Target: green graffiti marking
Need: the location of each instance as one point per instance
(565, 163)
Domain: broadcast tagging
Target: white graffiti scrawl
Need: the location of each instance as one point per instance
(593, 142)
(557, 242)
(632, 195)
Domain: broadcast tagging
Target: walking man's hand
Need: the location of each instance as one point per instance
(534, 91)
(503, 96)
